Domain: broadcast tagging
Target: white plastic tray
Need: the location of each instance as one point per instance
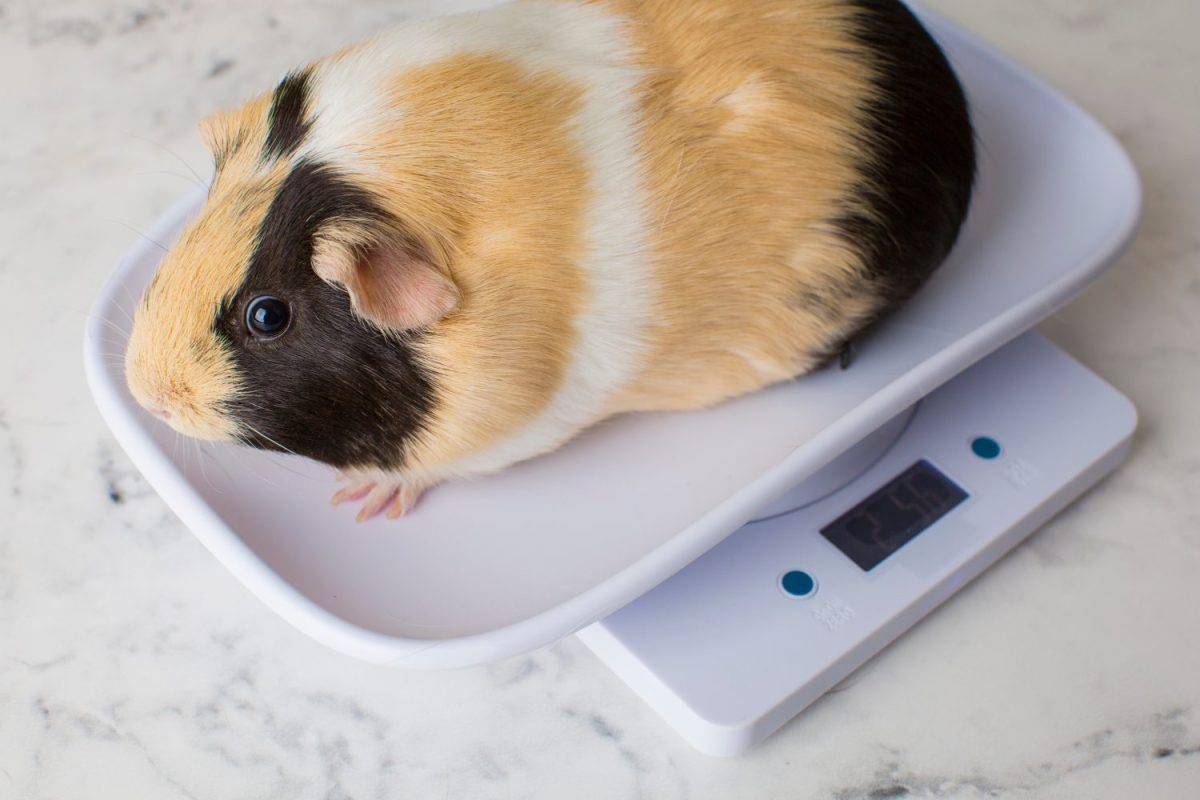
(502, 565)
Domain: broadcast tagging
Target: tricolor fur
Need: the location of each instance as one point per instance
(497, 228)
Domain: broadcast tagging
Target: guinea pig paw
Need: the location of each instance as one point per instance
(354, 491)
(392, 499)
(403, 501)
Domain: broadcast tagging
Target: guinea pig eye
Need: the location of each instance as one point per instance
(267, 317)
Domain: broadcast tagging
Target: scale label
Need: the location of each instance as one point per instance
(1019, 472)
(833, 614)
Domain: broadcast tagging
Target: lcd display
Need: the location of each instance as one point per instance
(894, 515)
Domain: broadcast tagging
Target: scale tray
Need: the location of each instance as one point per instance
(497, 566)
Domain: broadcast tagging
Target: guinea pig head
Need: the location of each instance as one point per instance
(287, 314)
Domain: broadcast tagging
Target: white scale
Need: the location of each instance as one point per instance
(882, 489)
(763, 624)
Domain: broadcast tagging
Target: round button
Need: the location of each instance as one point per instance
(985, 447)
(797, 583)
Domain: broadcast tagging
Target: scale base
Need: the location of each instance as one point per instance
(726, 655)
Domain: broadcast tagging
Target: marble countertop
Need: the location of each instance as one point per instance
(133, 665)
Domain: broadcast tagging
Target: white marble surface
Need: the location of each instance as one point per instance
(132, 665)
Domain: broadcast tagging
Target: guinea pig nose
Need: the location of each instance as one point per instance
(159, 412)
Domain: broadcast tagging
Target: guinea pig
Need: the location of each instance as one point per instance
(458, 244)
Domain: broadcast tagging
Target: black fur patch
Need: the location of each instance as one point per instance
(920, 178)
(287, 126)
(331, 388)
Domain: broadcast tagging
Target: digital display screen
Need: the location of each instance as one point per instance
(894, 515)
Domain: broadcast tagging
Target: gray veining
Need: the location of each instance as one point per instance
(133, 665)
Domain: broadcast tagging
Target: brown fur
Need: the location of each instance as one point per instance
(751, 114)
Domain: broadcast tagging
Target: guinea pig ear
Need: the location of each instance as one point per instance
(219, 131)
(390, 284)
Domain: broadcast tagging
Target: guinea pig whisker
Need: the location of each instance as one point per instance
(207, 450)
(171, 153)
(269, 439)
(179, 175)
(248, 465)
(133, 301)
(219, 465)
(116, 327)
(281, 465)
(259, 475)
(267, 455)
(127, 315)
(117, 357)
(200, 463)
(124, 311)
(115, 343)
(275, 463)
(124, 224)
(116, 346)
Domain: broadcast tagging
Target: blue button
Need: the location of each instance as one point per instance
(798, 584)
(985, 447)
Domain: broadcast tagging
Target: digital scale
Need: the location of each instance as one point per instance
(767, 621)
(878, 491)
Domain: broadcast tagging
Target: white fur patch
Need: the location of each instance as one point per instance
(588, 46)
